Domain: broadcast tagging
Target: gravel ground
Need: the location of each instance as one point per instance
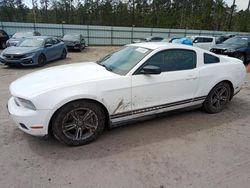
(183, 149)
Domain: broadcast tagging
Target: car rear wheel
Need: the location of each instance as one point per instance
(41, 60)
(64, 54)
(78, 123)
(217, 98)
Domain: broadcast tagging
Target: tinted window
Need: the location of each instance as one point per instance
(208, 59)
(48, 41)
(55, 41)
(198, 39)
(174, 60)
(207, 39)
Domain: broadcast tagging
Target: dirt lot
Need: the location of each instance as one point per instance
(184, 149)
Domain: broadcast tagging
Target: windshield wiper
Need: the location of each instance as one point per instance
(106, 67)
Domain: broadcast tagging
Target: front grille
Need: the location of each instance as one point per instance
(218, 51)
(8, 56)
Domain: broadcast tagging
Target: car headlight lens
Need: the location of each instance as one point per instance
(29, 54)
(25, 103)
(230, 50)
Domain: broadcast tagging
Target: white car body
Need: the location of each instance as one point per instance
(204, 42)
(124, 97)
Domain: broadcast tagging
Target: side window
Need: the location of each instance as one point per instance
(179, 59)
(207, 40)
(48, 41)
(209, 59)
(173, 60)
(156, 60)
(55, 41)
(198, 40)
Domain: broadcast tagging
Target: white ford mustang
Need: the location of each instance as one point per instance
(75, 102)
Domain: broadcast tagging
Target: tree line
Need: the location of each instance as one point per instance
(183, 14)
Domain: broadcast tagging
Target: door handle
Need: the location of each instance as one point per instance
(191, 77)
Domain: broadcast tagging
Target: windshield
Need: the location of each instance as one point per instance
(71, 37)
(31, 43)
(122, 61)
(21, 35)
(237, 41)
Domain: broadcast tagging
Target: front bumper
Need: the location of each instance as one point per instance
(29, 121)
(74, 47)
(223, 52)
(23, 61)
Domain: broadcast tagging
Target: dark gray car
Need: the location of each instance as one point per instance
(74, 41)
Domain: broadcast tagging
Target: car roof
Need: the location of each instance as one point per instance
(156, 45)
(40, 37)
(202, 36)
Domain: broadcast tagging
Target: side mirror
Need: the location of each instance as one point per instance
(48, 45)
(150, 69)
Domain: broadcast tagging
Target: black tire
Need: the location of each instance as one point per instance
(241, 56)
(64, 54)
(41, 60)
(217, 98)
(3, 45)
(78, 122)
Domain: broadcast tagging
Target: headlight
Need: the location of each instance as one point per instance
(25, 103)
(29, 54)
(230, 50)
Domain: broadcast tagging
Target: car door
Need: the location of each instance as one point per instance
(48, 48)
(57, 48)
(176, 84)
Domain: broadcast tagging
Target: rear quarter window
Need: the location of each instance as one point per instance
(210, 59)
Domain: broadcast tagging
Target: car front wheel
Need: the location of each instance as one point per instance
(78, 122)
(217, 98)
(41, 60)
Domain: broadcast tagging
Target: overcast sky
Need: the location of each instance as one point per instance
(241, 4)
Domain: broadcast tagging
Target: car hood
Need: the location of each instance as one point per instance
(13, 50)
(58, 77)
(227, 46)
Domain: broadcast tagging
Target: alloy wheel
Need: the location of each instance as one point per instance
(80, 124)
(220, 97)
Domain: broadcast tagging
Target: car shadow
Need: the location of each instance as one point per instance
(177, 124)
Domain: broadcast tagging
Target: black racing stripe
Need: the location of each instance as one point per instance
(158, 107)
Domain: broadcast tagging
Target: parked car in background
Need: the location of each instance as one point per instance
(19, 36)
(76, 102)
(170, 40)
(184, 40)
(74, 41)
(223, 38)
(238, 47)
(204, 42)
(3, 38)
(34, 51)
(149, 39)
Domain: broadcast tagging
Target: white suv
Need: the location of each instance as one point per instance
(204, 42)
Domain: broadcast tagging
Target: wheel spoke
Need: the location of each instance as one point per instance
(218, 104)
(87, 115)
(223, 98)
(217, 93)
(75, 115)
(78, 133)
(222, 91)
(213, 101)
(69, 126)
(90, 127)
